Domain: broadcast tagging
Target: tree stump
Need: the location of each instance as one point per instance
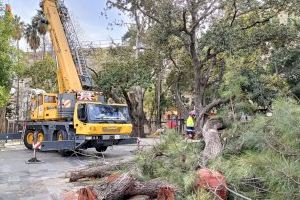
(211, 181)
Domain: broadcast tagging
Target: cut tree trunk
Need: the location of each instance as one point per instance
(140, 197)
(213, 146)
(95, 172)
(117, 187)
(114, 190)
(150, 188)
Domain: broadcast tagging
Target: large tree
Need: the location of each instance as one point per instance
(200, 35)
(41, 74)
(38, 22)
(18, 26)
(32, 38)
(125, 79)
(7, 61)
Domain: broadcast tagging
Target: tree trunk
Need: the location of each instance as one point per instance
(44, 45)
(158, 100)
(34, 55)
(135, 101)
(213, 146)
(2, 119)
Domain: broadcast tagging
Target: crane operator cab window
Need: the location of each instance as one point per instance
(98, 113)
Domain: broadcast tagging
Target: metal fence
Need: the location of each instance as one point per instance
(12, 130)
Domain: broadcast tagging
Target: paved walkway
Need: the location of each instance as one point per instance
(19, 180)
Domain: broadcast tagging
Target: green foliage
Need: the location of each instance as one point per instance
(7, 61)
(174, 160)
(286, 61)
(122, 71)
(261, 158)
(248, 78)
(43, 74)
(4, 96)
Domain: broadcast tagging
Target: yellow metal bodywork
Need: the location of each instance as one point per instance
(67, 76)
(95, 129)
(44, 107)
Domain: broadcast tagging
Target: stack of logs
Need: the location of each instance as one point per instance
(114, 186)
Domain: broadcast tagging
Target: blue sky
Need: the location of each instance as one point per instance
(86, 14)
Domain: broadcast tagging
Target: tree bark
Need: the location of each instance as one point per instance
(149, 188)
(134, 99)
(140, 197)
(117, 187)
(44, 45)
(213, 146)
(2, 119)
(115, 190)
(95, 172)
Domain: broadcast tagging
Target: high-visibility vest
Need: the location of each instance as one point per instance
(190, 122)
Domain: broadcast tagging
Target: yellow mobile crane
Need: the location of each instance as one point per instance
(75, 118)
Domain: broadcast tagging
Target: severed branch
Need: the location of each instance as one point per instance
(211, 105)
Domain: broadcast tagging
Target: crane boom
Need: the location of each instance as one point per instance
(72, 72)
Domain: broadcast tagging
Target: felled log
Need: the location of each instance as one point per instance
(95, 172)
(114, 188)
(117, 187)
(140, 197)
(150, 188)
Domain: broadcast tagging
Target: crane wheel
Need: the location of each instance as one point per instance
(60, 136)
(29, 138)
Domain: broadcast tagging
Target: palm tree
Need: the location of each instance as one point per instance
(38, 22)
(18, 30)
(32, 38)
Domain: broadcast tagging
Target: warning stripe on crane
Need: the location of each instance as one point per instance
(65, 103)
